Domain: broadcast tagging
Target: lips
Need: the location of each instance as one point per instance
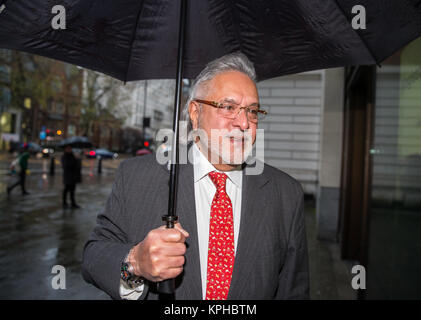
(236, 139)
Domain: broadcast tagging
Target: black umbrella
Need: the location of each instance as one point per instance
(76, 142)
(132, 39)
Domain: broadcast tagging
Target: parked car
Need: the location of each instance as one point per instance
(47, 150)
(103, 153)
(143, 151)
(33, 148)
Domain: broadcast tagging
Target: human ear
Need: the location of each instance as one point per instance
(194, 111)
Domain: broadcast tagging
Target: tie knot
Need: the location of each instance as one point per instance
(219, 179)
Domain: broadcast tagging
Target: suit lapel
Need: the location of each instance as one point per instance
(248, 242)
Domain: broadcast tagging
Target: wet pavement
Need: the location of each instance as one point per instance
(37, 234)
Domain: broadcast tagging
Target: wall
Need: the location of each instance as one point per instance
(159, 97)
(292, 127)
(330, 158)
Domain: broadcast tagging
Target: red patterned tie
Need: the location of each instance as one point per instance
(221, 241)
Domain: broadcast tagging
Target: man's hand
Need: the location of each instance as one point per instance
(160, 255)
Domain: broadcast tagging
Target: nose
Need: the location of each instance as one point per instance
(241, 120)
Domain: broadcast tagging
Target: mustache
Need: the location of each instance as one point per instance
(238, 135)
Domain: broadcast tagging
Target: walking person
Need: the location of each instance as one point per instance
(227, 215)
(23, 166)
(71, 176)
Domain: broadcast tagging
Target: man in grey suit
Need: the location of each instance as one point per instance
(262, 254)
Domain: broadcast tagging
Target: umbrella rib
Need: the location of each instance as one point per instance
(132, 41)
(359, 35)
(235, 27)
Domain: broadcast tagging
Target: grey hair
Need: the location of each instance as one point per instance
(236, 61)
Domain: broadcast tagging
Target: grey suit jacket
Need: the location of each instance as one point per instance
(271, 260)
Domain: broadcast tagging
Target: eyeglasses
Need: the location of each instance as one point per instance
(231, 110)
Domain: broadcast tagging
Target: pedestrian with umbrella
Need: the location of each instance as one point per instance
(71, 176)
(22, 163)
(76, 142)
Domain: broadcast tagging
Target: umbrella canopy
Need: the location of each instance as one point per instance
(132, 39)
(76, 142)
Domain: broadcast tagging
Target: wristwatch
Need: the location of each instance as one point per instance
(127, 274)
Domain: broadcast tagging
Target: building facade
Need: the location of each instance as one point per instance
(293, 125)
(380, 207)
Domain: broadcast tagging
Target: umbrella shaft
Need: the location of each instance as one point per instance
(179, 77)
(167, 287)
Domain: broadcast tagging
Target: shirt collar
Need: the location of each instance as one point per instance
(202, 167)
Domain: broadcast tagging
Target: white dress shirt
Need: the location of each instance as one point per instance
(204, 191)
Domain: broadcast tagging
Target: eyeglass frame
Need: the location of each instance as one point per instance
(218, 105)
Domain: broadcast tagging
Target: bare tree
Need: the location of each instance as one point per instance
(102, 99)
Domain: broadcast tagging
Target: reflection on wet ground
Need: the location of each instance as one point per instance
(36, 234)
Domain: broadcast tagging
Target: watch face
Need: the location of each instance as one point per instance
(125, 273)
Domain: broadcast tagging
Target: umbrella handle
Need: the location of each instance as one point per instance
(168, 286)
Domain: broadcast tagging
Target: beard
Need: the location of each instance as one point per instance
(229, 147)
